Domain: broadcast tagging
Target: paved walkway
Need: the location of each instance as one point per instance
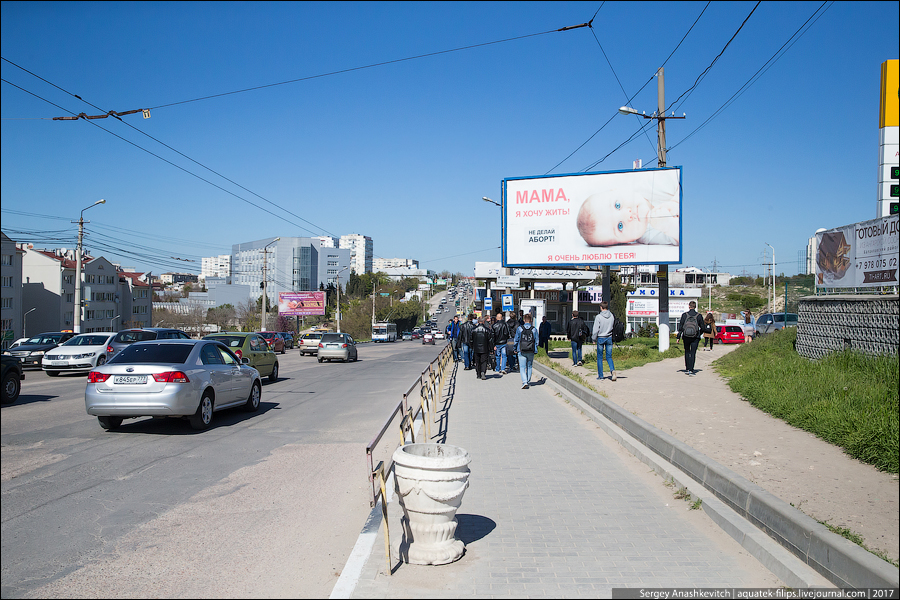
(556, 508)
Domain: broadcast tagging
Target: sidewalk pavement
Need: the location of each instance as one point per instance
(557, 508)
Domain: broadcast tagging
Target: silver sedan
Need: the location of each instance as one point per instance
(171, 378)
(340, 346)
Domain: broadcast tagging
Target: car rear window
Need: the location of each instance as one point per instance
(130, 337)
(733, 329)
(312, 336)
(154, 353)
(332, 338)
(232, 341)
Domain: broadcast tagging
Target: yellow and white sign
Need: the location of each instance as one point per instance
(889, 139)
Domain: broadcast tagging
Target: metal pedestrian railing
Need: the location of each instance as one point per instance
(430, 383)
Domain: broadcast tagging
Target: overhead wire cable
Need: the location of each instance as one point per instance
(602, 127)
(762, 70)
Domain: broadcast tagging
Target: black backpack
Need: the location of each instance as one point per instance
(526, 340)
(618, 331)
(691, 327)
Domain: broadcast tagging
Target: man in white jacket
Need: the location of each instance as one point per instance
(602, 334)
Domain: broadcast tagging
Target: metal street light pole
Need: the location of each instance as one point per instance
(23, 321)
(265, 294)
(78, 292)
(111, 327)
(773, 278)
(338, 278)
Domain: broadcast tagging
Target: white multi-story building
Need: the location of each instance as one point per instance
(327, 241)
(361, 252)
(11, 312)
(380, 264)
(215, 266)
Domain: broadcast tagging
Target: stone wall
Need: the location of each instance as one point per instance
(869, 324)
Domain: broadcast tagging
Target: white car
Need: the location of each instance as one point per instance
(79, 354)
(439, 335)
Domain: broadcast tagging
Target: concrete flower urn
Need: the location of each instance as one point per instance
(431, 480)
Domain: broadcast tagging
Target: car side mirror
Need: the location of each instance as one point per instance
(245, 360)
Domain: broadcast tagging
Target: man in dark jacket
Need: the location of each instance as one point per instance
(453, 336)
(575, 333)
(544, 332)
(501, 337)
(465, 340)
(690, 333)
(512, 358)
(483, 345)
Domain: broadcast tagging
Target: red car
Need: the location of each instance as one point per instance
(730, 334)
(275, 341)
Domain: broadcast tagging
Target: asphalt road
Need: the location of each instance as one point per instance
(265, 504)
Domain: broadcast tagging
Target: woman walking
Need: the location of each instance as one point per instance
(710, 335)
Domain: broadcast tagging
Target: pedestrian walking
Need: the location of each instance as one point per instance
(690, 328)
(465, 340)
(576, 334)
(512, 357)
(501, 337)
(602, 333)
(544, 331)
(453, 335)
(710, 335)
(526, 346)
(749, 326)
(483, 345)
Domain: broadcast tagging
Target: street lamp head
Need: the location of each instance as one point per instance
(101, 201)
(626, 110)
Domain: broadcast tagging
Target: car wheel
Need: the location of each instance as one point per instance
(11, 388)
(273, 376)
(282, 349)
(203, 417)
(101, 361)
(253, 400)
(345, 359)
(52, 373)
(110, 423)
(320, 359)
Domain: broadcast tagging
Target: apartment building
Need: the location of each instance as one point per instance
(361, 252)
(11, 292)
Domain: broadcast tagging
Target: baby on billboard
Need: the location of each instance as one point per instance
(635, 212)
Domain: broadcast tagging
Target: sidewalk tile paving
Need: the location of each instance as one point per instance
(555, 508)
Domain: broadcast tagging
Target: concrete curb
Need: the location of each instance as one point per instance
(800, 537)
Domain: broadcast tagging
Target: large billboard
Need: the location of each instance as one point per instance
(859, 255)
(612, 218)
(301, 304)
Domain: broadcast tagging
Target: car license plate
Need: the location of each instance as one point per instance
(129, 379)
(58, 363)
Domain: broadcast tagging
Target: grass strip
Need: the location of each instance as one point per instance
(848, 399)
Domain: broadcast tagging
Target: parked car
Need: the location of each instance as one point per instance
(407, 335)
(79, 354)
(127, 337)
(171, 378)
(31, 352)
(309, 342)
(275, 341)
(428, 338)
(252, 346)
(11, 376)
(288, 338)
(770, 322)
(730, 334)
(337, 346)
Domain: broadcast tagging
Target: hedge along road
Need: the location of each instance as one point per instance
(266, 504)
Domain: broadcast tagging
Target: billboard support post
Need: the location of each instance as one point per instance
(661, 159)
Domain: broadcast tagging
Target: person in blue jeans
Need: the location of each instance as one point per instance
(526, 341)
(602, 332)
(575, 332)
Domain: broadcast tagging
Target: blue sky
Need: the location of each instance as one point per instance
(404, 151)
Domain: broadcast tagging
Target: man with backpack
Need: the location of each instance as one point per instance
(576, 334)
(512, 359)
(526, 346)
(603, 335)
(690, 329)
(501, 337)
